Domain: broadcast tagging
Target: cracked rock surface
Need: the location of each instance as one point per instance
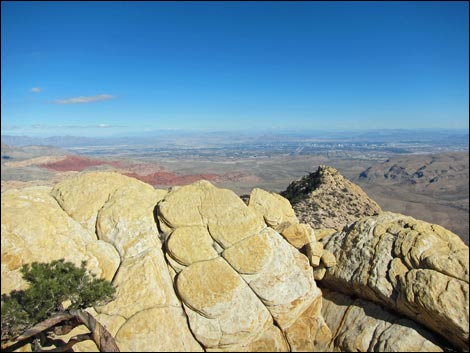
(358, 325)
(196, 269)
(412, 267)
(259, 285)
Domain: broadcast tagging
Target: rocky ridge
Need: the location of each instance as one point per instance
(425, 187)
(197, 269)
(429, 171)
(324, 199)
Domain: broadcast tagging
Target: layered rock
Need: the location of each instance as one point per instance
(246, 281)
(242, 285)
(325, 199)
(279, 215)
(413, 267)
(218, 309)
(362, 326)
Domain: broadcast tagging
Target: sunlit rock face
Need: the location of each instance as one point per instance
(413, 267)
(35, 228)
(221, 280)
(106, 219)
(197, 269)
(247, 284)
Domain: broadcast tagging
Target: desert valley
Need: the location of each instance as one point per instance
(424, 174)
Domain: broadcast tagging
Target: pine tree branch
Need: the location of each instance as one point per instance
(98, 333)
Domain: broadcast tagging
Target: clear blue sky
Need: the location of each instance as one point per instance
(90, 68)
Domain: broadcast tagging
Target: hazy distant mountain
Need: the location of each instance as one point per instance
(60, 141)
(433, 188)
(15, 153)
(435, 137)
(441, 173)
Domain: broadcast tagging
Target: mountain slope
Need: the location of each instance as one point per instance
(325, 199)
(433, 188)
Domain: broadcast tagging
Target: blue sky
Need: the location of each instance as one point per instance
(104, 68)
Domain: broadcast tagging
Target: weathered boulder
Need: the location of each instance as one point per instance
(298, 234)
(309, 333)
(228, 219)
(328, 259)
(275, 209)
(279, 275)
(221, 313)
(201, 204)
(314, 252)
(144, 281)
(320, 259)
(416, 268)
(197, 269)
(362, 326)
(158, 329)
(126, 220)
(191, 244)
(239, 280)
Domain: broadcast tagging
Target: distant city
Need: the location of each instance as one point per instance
(354, 144)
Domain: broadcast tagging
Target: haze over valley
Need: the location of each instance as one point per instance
(421, 173)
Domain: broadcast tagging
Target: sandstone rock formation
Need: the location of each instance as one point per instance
(413, 267)
(267, 284)
(275, 209)
(237, 282)
(325, 199)
(196, 269)
(362, 326)
(125, 248)
(35, 228)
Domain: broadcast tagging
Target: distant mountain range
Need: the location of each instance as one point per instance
(444, 137)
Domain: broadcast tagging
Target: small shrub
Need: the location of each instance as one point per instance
(50, 285)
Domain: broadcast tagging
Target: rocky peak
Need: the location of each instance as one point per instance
(325, 199)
